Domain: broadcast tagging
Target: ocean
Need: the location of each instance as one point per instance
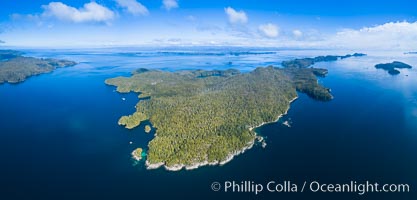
(59, 137)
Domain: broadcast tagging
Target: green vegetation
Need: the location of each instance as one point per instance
(307, 62)
(132, 121)
(147, 129)
(16, 68)
(304, 77)
(207, 116)
(206, 119)
(392, 67)
(225, 73)
(137, 153)
(305, 81)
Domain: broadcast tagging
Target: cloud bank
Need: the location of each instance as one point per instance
(392, 35)
(90, 12)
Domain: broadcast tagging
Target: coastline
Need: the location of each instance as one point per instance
(229, 158)
(279, 116)
(200, 164)
(136, 157)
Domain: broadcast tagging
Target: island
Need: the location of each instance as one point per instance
(393, 67)
(147, 129)
(205, 117)
(306, 62)
(15, 68)
(137, 154)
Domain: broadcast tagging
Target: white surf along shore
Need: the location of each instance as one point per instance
(228, 158)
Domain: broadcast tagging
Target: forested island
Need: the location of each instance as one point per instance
(393, 67)
(207, 117)
(15, 68)
(306, 62)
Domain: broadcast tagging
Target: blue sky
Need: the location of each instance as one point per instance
(350, 24)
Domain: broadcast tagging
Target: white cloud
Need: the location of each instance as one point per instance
(133, 7)
(90, 12)
(191, 18)
(392, 35)
(170, 4)
(269, 30)
(236, 16)
(297, 33)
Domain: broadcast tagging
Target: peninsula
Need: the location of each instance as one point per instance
(15, 68)
(207, 117)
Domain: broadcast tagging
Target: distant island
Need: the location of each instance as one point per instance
(411, 52)
(393, 67)
(306, 62)
(207, 117)
(15, 68)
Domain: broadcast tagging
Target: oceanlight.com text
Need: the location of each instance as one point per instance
(360, 188)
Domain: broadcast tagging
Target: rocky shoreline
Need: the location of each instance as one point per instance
(197, 165)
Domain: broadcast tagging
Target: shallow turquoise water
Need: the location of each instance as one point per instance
(60, 139)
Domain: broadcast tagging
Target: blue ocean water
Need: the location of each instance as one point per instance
(59, 137)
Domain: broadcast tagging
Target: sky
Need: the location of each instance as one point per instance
(354, 24)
